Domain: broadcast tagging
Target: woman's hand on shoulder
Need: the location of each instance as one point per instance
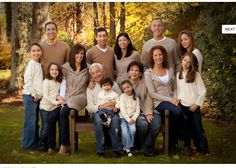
(91, 84)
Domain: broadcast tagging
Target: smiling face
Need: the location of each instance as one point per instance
(123, 42)
(186, 62)
(157, 28)
(51, 32)
(185, 41)
(127, 88)
(134, 73)
(36, 52)
(54, 71)
(101, 39)
(157, 57)
(79, 56)
(97, 74)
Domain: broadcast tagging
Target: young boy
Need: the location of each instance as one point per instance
(110, 99)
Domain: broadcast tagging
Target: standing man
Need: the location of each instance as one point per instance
(169, 44)
(53, 50)
(102, 53)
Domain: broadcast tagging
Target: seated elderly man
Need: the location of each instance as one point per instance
(97, 74)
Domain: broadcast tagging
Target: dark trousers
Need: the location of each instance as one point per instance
(65, 125)
(52, 123)
(194, 126)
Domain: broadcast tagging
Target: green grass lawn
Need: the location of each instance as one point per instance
(221, 137)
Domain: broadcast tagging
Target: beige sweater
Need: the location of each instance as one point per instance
(95, 55)
(50, 91)
(92, 97)
(129, 108)
(145, 100)
(172, 50)
(191, 93)
(76, 85)
(159, 91)
(58, 53)
(122, 64)
(33, 79)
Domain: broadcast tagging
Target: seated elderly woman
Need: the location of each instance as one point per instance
(97, 74)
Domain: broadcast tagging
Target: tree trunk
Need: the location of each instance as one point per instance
(96, 21)
(122, 17)
(20, 39)
(41, 15)
(8, 11)
(104, 14)
(112, 22)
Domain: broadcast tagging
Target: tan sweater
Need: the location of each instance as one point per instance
(157, 89)
(145, 100)
(50, 91)
(191, 93)
(58, 53)
(129, 108)
(122, 64)
(76, 85)
(95, 55)
(172, 50)
(33, 79)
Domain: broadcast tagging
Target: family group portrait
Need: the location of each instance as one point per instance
(117, 83)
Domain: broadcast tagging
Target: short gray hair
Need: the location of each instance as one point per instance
(94, 65)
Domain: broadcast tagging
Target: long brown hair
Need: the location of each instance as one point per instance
(59, 76)
(75, 50)
(129, 83)
(165, 63)
(190, 77)
(190, 35)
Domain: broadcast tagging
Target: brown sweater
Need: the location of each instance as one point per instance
(58, 53)
(95, 55)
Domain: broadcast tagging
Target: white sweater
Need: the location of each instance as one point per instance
(199, 56)
(129, 108)
(50, 91)
(106, 97)
(191, 93)
(33, 79)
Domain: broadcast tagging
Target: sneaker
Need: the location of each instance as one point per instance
(103, 117)
(105, 124)
(129, 154)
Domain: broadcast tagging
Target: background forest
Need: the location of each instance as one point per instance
(22, 23)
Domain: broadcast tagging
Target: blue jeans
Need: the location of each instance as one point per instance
(147, 132)
(114, 132)
(176, 120)
(44, 130)
(107, 112)
(30, 133)
(54, 117)
(128, 133)
(194, 125)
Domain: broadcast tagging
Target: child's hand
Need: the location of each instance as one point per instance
(59, 97)
(61, 102)
(115, 110)
(193, 107)
(149, 118)
(131, 122)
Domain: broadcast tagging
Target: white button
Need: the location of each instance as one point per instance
(228, 29)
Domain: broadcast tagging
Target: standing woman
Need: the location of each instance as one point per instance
(74, 90)
(161, 86)
(186, 44)
(149, 122)
(124, 54)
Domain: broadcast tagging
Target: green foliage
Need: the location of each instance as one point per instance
(219, 52)
(221, 139)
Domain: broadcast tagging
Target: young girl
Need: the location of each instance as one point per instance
(186, 44)
(191, 92)
(129, 112)
(50, 105)
(32, 93)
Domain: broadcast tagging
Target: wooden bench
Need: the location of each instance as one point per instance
(75, 119)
